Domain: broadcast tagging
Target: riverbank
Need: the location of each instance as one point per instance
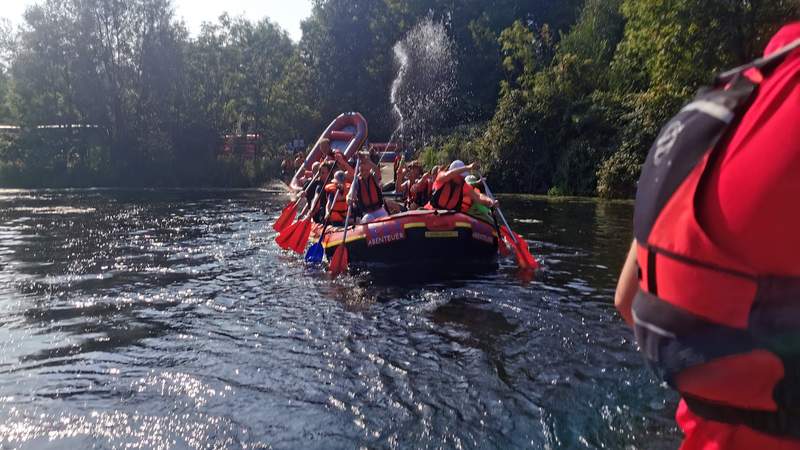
(278, 186)
(568, 199)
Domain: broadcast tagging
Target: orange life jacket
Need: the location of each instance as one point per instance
(725, 337)
(453, 195)
(422, 196)
(338, 212)
(370, 196)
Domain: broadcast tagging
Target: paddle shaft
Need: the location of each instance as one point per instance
(499, 212)
(328, 216)
(316, 197)
(304, 191)
(350, 206)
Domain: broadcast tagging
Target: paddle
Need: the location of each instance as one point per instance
(523, 254)
(341, 257)
(287, 216)
(502, 248)
(290, 211)
(295, 237)
(315, 252)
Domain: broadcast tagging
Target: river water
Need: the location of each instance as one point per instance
(169, 319)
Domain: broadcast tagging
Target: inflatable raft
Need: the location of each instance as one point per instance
(417, 237)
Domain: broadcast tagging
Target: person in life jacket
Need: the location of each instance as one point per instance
(337, 210)
(414, 190)
(336, 157)
(368, 194)
(432, 174)
(419, 192)
(712, 279)
(450, 192)
(478, 209)
(314, 188)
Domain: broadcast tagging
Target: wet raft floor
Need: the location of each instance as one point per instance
(169, 319)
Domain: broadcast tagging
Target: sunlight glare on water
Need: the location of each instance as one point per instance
(164, 319)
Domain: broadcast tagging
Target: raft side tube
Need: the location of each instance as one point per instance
(347, 133)
(418, 236)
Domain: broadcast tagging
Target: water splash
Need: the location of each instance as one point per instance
(422, 94)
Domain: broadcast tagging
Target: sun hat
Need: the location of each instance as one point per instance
(458, 164)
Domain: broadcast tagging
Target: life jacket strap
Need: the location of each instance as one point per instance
(782, 422)
(764, 65)
(673, 339)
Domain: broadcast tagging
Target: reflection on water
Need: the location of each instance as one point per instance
(161, 319)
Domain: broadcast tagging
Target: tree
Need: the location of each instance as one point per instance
(669, 50)
(7, 46)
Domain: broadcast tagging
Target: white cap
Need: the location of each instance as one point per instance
(458, 164)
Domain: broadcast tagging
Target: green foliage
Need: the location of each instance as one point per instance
(582, 122)
(458, 143)
(563, 97)
(143, 103)
(550, 127)
(669, 50)
(617, 175)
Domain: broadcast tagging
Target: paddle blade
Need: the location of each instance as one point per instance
(339, 261)
(286, 218)
(502, 247)
(300, 240)
(284, 239)
(525, 259)
(314, 254)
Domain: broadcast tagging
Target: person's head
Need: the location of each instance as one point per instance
(458, 164)
(324, 170)
(414, 170)
(339, 176)
(315, 167)
(325, 146)
(473, 181)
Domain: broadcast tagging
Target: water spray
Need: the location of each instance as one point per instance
(422, 92)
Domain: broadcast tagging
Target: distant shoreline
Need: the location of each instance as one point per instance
(278, 186)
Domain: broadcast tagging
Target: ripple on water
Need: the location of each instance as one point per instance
(163, 319)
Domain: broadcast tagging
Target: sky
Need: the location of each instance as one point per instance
(287, 13)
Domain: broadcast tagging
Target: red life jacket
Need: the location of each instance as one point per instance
(452, 195)
(422, 196)
(370, 196)
(703, 319)
(338, 212)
